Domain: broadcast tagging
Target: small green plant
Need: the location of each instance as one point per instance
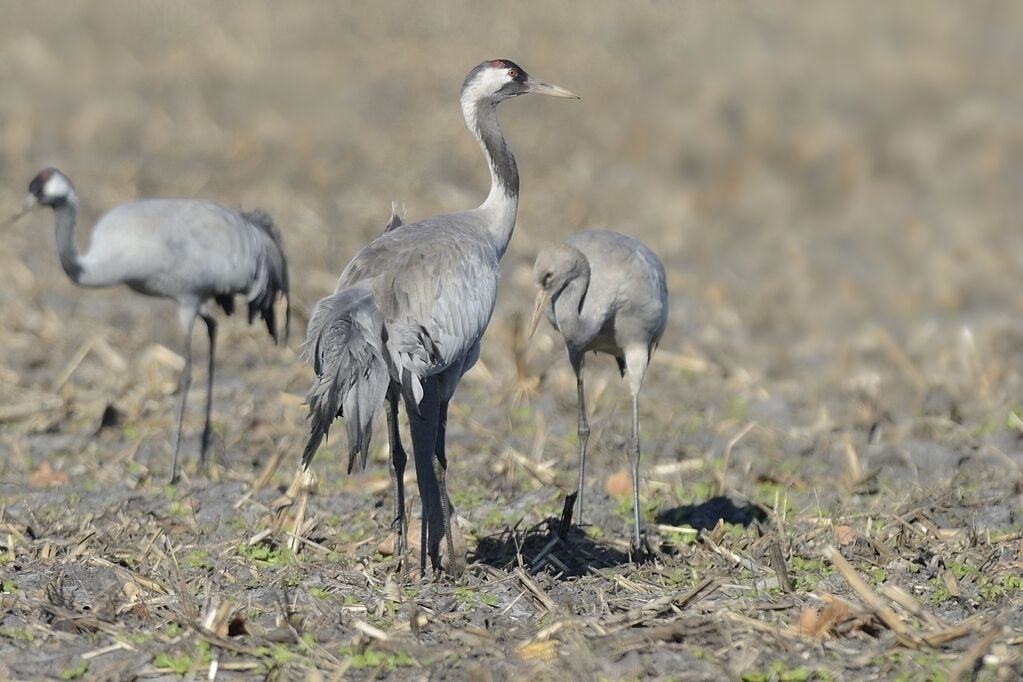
(1012, 583)
(877, 574)
(373, 659)
(282, 655)
(179, 664)
(492, 519)
(677, 578)
(198, 558)
(182, 662)
(10, 587)
(470, 598)
(468, 498)
(694, 492)
(319, 593)
(994, 589)
(806, 573)
(75, 672)
(266, 554)
(680, 537)
(940, 593)
(179, 508)
(960, 571)
(18, 634)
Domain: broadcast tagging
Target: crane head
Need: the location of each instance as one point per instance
(500, 79)
(49, 187)
(554, 268)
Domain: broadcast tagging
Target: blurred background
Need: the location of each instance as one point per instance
(834, 189)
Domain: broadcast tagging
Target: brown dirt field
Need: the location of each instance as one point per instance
(832, 427)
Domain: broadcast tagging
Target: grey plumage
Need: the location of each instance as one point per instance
(433, 283)
(186, 250)
(604, 292)
(345, 347)
(271, 276)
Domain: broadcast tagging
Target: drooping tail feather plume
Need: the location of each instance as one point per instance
(271, 276)
(344, 344)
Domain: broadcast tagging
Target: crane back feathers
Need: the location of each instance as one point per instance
(271, 277)
(344, 344)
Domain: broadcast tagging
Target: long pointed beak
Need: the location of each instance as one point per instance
(27, 205)
(541, 88)
(542, 299)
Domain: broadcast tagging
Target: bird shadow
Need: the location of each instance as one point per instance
(706, 515)
(562, 548)
(547, 546)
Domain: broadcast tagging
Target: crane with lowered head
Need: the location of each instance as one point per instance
(187, 250)
(604, 292)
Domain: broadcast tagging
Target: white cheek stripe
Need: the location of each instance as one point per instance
(487, 83)
(56, 186)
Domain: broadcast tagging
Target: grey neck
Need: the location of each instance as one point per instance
(502, 202)
(503, 171)
(568, 307)
(64, 215)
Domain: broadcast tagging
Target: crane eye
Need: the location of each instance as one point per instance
(513, 73)
(547, 279)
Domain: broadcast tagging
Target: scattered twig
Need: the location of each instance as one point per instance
(970, 659)
(874, 602)
(723, 476)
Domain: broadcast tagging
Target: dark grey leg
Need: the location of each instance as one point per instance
(207, 430)
(423, 425)
(578, 365)
(398, 460)
(455, 564)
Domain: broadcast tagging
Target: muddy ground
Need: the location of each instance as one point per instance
(835, 191)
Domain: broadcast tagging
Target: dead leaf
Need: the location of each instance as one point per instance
(619, 484)
(820, 624)
(46, 477)
(808, 620)
(833, 614)
(845, 535)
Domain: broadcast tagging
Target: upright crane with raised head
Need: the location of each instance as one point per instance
(187, 250)
(408, 314)
(604, 292)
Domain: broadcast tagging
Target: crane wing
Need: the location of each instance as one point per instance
(436, 285)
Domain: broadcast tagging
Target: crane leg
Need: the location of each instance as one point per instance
(399, 458)
(423, 420)
(456, 564)
(637, 542)
(184, 383)
(584, 432)
(207, 430)
(636, 361)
